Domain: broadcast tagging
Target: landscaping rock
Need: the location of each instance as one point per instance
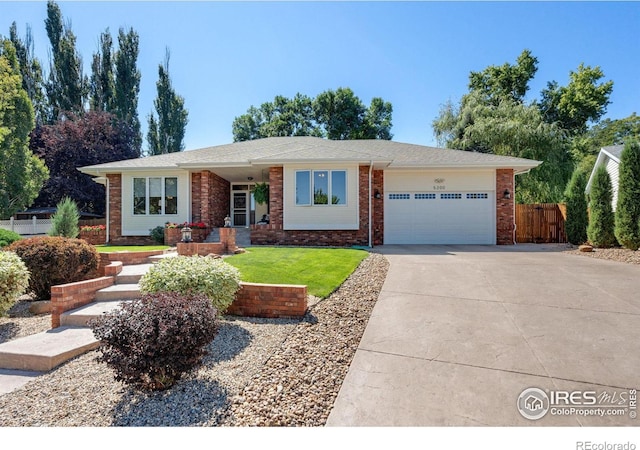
(585, 248)
(262, 372)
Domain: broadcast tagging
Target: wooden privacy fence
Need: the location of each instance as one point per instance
(540, 223)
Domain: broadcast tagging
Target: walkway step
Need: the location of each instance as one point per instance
(157, 258)
(118, 292)
(80, 316)
(43, 351)
(132, 274)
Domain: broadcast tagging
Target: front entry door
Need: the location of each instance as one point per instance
(240, 209)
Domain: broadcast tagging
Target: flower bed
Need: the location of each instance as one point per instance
(94, 234)
(173, 232)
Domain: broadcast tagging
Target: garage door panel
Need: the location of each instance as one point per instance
(440, 218)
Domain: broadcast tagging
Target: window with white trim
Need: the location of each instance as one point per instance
(155, 196)
(321, 187)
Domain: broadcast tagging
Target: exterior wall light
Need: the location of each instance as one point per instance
(377, 194)
(507, 194)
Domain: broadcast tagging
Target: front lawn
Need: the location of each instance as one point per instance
(321, 269)
(106, 248)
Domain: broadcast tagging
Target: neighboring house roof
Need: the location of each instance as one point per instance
(283, 150)
(613, 153)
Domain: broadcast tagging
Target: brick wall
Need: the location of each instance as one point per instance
(269, 300)
(69, 296)
(129, 258)
(505, 208)
(94, 237)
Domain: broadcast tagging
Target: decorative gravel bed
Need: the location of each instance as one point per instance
(612, 254)
(258, 372)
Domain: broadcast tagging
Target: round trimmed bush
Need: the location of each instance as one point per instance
(214, 278)
(8, 237)
(152, 341)
(14, 280)
(55, 260)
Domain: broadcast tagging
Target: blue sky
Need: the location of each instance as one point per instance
(227, 56)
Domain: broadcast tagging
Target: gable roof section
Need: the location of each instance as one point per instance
(613, 152)
(283, 150)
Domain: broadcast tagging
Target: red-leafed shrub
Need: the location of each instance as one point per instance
(55, 260)
(152, 341)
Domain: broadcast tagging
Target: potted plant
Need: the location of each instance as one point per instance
(261, 193)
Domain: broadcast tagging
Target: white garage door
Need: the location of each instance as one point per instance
(439, 218)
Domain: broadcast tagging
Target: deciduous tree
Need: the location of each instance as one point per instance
(166, 134)
(21, 173)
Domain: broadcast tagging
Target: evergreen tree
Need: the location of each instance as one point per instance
(31, 70)
(127, 83)
(102, 84)
(601, 220)
(21, 173)
(627, 215)
(67, 86)
(577, 214)
(166, 134)
(65, 221)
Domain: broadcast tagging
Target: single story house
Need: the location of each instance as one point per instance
(608, 157)
(321, 192)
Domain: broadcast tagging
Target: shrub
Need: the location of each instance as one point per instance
(601, 221)
(627, 216)
(157, 234)
(194, 274)
(577, 215)
(65, 221)
(8, 237)
(55, 260)
(14, 279)
(151, 341)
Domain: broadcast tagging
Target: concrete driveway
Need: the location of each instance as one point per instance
(459, 332)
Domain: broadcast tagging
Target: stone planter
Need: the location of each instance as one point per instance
(94, 237)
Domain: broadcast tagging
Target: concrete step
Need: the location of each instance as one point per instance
(43, 351)
(118, 292)
(80, 316)
(132, 274)
(156, 258)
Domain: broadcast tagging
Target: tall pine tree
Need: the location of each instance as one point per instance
(577, 214)
(166, 133)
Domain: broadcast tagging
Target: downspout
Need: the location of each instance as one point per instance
(370, 203)
(108, 217)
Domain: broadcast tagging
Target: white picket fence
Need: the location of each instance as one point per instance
(28, 226)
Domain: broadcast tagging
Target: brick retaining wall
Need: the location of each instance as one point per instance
(270, 300)
(66, 297)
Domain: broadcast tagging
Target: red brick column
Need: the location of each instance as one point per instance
(505, 207)
(228, 239)
(204, 196)
(378, 207)
(196, 215)
(115, 206)
(219, 201)
(276, 197)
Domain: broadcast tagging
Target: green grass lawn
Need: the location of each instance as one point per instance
(106, 248)
(323, 270)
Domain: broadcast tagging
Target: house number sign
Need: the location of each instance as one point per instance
(439, 184)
